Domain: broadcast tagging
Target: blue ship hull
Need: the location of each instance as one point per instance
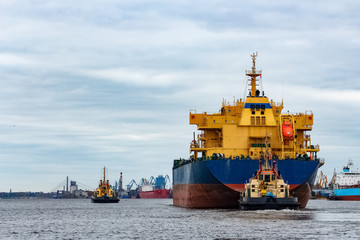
(350, 194)
(217, 183)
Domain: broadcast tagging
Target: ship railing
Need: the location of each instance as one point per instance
(229, 103)
(213, 113)
(276, 104)
(308, 112)
(295, 114)
(251, 72)
(321, 160)
(315, 146)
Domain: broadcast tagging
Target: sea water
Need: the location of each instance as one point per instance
(159, 219)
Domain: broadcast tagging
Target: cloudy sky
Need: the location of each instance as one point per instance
(91, 83)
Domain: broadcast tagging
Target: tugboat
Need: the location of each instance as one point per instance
(267, 190)
(104, 193)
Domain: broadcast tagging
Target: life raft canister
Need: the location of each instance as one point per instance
(287, 130)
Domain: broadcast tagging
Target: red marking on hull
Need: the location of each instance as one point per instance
(224, 196)
(293, 186)
(349, 198)
(241, 187)
(158, 193)
(236, 187)
(303, 193)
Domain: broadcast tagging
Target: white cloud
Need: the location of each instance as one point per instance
(16, 60)
(89, 83)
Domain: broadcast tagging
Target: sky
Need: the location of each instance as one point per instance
(88, 84)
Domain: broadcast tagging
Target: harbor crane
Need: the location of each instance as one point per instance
(321, 181)
(131, 184)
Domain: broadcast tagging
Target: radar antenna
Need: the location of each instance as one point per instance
(253, 74)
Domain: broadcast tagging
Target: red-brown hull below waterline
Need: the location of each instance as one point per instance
(205, 196)
(220, 196)
(347, 198)
(303, 193)
(158, 193)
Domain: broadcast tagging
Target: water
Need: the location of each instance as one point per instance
(159, 219)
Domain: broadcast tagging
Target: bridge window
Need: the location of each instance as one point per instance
(257, 120)
(263, 121)
(267, 178)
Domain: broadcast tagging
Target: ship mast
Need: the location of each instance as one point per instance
(104, 176)
(267, 155)
(253, 74)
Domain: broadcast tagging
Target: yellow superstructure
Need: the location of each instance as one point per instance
(239, 129)
(104, 189)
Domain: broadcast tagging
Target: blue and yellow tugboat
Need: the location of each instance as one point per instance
(104, 193)
(267, 190)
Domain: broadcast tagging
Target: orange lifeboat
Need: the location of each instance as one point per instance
(287, 131)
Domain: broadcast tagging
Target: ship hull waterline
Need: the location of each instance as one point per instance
(218, 183)
(346, 194)
(104, 200)
(345, 198)
(269, 203)
(158, 193)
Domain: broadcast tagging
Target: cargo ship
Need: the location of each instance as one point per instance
(155, 190)
(226, 151)
(346, 185)
(104, 193)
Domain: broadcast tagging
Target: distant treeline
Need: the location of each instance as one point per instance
(5, 195)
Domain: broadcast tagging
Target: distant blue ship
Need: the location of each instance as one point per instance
(347, 184)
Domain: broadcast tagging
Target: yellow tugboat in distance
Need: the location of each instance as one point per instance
(104, 193)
